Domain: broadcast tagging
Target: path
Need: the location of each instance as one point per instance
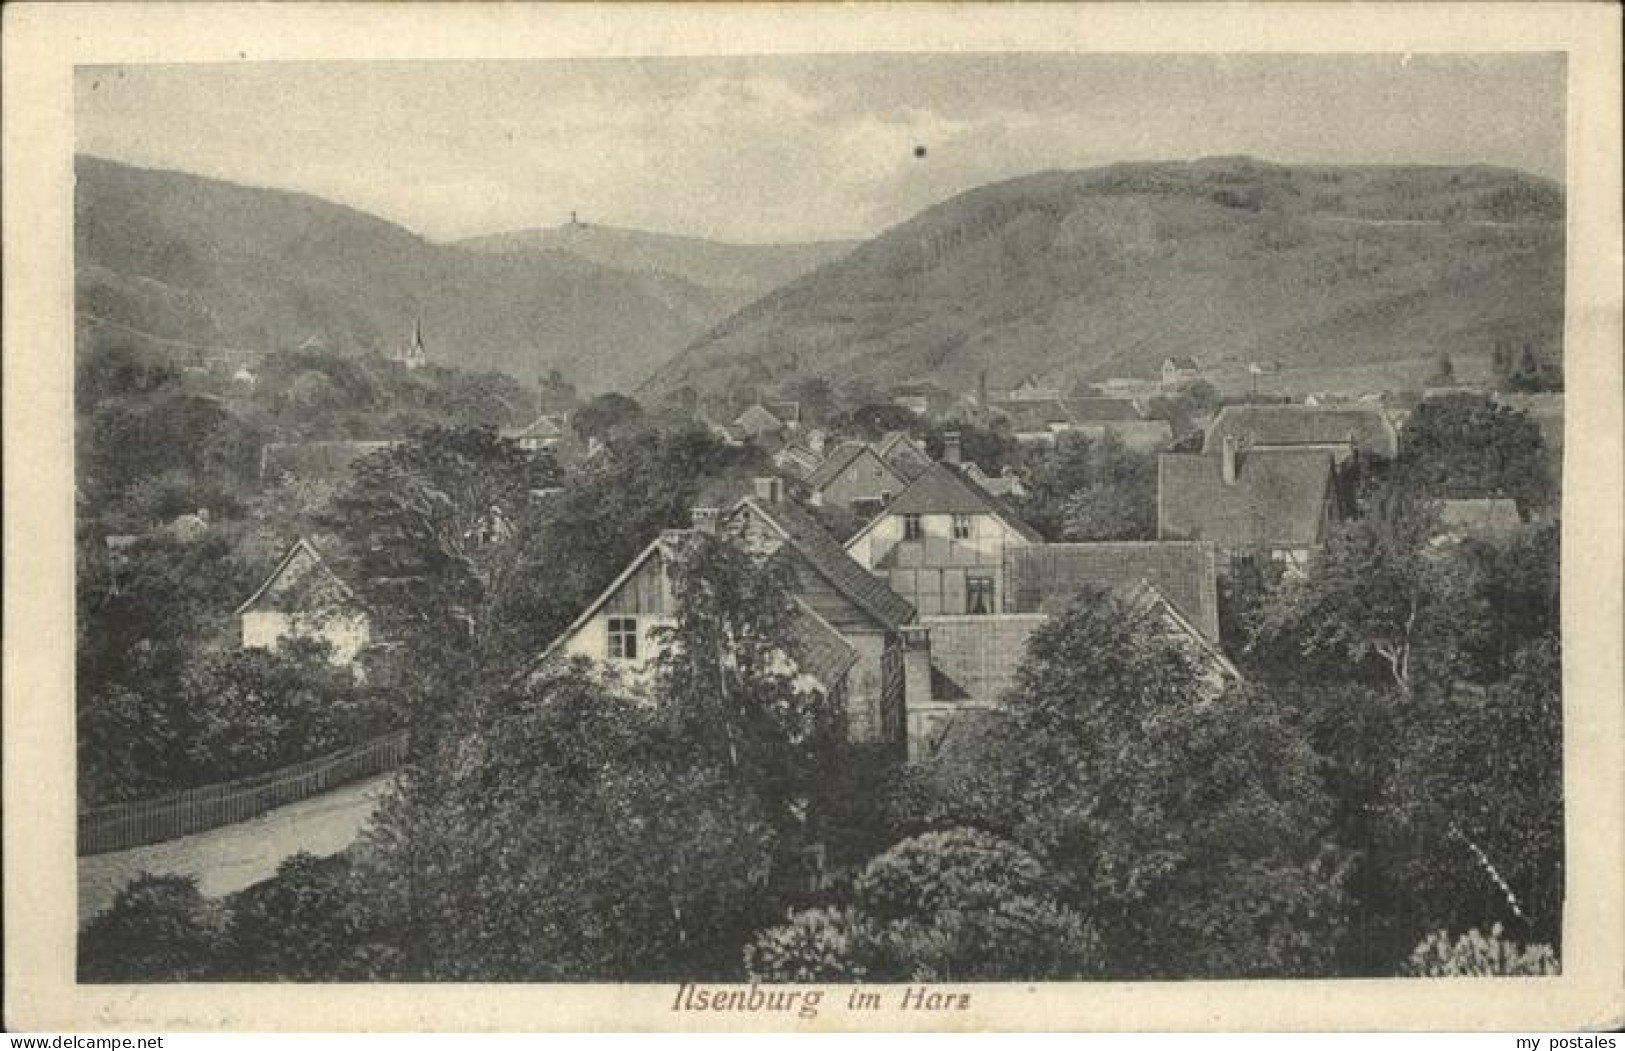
(237, 856)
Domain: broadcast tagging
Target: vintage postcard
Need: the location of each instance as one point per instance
(809, 517)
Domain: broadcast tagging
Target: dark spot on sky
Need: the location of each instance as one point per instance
(919, 151)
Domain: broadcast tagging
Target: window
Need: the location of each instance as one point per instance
(913, 528)
(623, 638)
(962, 527)
(978, 595)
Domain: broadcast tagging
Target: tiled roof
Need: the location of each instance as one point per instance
(1034, 415)
(838, 461)
(832, 562)
(974, 659)
(1276, 501)
(1101, 410)
(818, 649)
(942, 491)
(314, 460)
(544, 427)
(1302, 425)
(1044, 578)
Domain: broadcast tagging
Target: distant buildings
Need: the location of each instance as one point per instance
(411, 354)
(545, 432)
(1178, 370)
(855, 472)
(1342, 431)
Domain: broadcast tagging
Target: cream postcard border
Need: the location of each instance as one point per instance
(43, 42)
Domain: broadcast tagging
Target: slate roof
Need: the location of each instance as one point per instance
(839, 460)
(1102, 410)
(974, 659)
(544, 427)
(831, 561)
(1303, 425)
(318, 576)
(1276, 500)
(818, 648)
(1044, 578)
(940, 490)
(314, 460)
(902, 453)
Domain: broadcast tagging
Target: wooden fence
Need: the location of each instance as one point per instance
(121, 826)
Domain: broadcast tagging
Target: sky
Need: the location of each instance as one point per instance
(791, 148)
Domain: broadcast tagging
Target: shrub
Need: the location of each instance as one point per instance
(1479, 955)
(818, 945)
(158, 929)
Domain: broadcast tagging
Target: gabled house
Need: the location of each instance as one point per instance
(941, 544)
(546, 432)
(854, 472)
(849, 635)
(907, 456)
(1045, 578)
(1278, 503)
(1032, 389)
(304, 598)
(797, 461)
(756, 421)
(1343, 431)
(1177, 370)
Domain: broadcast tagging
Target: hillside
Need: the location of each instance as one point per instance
(188, 264)
(1101, 273)
(746, 271)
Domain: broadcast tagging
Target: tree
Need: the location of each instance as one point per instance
(874, 420)
(1088, 489)
(433, 533)
(1379, 591)
(1473, 815)
(817, 398)
(1466, 445)
(568, 834)
(158, 929)
(1192, 832)
(728, 675)
(956, 905)
(606, 414)
(309, 922)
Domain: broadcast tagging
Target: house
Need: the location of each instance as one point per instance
(940, 544)
(974, 660)
(314, 461)
(907, 456)
(1179, 370)
(913, 397)
(786, 412)
(1343, 432)
(1030, 389)
(1121, 418)
(848, 636)
(756, 421)
(1488, 519)
(1006, 484)
(797, 461)
(303, 598)
(1274, 502)
(546, 432)
(854, 472)
(1036, 422)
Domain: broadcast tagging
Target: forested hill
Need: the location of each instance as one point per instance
(747, 270)
(1100, 273)
(192, 265)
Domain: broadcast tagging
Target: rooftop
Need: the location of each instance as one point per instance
(1277, 498)
(1044, 578)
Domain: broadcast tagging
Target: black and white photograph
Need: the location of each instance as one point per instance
(743, 524)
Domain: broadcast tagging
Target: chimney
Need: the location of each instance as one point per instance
(770, 490)
(1230, 458)
(704, 519)
(916, 679)
(950, 447)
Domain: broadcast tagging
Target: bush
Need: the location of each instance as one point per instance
(817, 945)
(158, 929)
(1478, 955)
(307, 923)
